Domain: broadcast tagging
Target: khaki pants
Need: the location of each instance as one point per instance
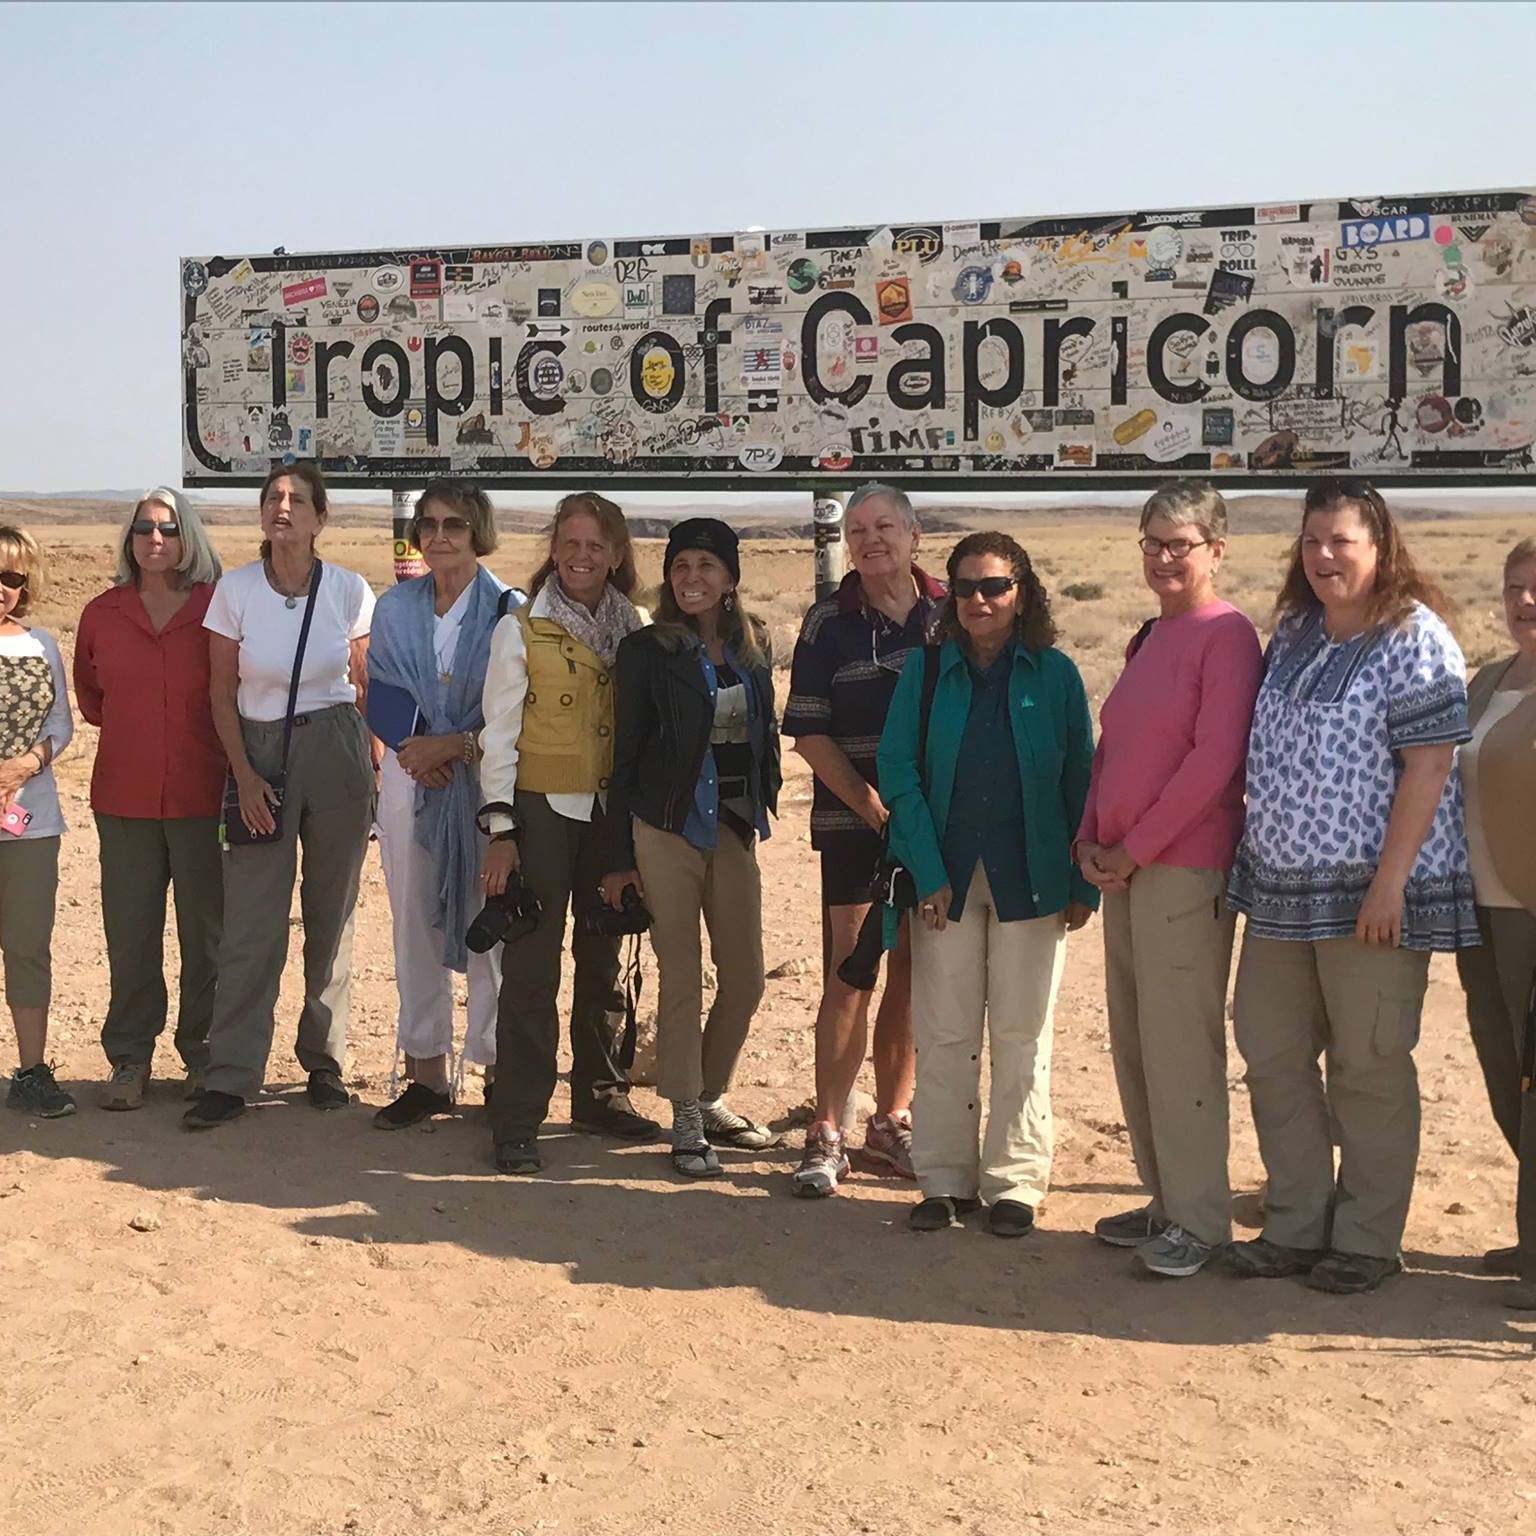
(975, 974)
(328, 807)
(683, 884)
(562, 862)
(29, 883)
(1498, 979)
(1358, 1004)
(140, 858)
(1167, 954)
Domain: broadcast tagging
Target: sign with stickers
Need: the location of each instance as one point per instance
(1393, 338)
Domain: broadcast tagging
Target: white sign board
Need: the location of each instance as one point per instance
(1389, 337)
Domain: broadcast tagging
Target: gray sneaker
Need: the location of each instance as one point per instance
(823, 1165)
(1130, 1229)
(125, 1088)
(34, 1092)
(1175, 1253)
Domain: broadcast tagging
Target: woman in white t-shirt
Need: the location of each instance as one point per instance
(326, 802)
(427, 659)
(35, 727)
(1498, 782)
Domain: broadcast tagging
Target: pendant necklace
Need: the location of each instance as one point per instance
(290, 599)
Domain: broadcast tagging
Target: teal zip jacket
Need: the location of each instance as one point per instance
(1053, 737)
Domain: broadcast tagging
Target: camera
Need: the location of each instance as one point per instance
(604, 923)
(506, 918)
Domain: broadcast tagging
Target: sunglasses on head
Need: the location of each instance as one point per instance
(144, 528)
(15, 580)
(989, 587)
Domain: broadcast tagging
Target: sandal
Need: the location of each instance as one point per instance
(696, 1162)
(748, 1137)
(519, 1155)
(938, 1212)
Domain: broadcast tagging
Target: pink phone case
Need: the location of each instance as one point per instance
(16, 821)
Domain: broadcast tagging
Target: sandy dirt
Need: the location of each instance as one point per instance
(303, 1325)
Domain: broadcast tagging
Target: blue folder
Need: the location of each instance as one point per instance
(392, 714)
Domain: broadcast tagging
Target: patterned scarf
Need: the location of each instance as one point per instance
(600, 632)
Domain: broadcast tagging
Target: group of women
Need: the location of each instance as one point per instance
(570, 754)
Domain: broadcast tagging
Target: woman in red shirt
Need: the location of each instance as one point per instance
(141, 674)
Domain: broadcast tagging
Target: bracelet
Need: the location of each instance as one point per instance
(467, 750)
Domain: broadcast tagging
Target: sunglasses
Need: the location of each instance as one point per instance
(14, 580)
(451, 527)
(989, 587)
(145, 528)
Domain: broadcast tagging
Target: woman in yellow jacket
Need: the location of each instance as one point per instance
(548, 754)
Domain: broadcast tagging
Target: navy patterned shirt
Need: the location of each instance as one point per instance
(847, 662)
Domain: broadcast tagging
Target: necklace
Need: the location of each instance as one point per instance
(290, 599)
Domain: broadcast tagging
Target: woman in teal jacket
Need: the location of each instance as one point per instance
(984, 824)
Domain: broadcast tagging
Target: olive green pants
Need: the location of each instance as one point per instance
(29, 882)
(140, 858)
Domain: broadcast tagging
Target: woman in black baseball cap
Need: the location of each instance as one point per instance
(695, 774)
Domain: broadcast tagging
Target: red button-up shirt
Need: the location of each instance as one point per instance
(159, 757)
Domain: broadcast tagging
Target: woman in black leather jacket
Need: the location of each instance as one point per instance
(695, 775)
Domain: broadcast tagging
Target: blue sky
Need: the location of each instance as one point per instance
(135, 134)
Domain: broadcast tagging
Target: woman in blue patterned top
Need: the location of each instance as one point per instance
(1352, 868)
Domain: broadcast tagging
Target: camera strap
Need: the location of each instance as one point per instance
(634, 984)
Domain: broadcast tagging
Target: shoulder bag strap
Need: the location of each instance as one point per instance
(925, 708)
(298, 659)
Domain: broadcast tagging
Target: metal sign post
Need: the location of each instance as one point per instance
(408, 561)
(827, 516)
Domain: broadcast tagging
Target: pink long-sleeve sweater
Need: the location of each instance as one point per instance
(1173, 741)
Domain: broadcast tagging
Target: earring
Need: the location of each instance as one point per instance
(728, 602)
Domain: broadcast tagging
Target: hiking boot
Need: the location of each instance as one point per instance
(213, 1109)
(325, 1090)
(125, 1088)
(1130, 1229)
(938, 1212)
(520, 1155)
(416, 1104)
(1175, 1253)
(614, 1116)
(823, 1164)
(1347, 1274)
(34, 1092)
(1264, 1260)
(888, 1144)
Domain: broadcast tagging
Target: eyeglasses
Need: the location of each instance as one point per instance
(450, 527)
(1177, 548)
(989, 587)
(15, 580)
(146, 529)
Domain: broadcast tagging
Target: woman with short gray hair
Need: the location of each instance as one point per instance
(141, 675)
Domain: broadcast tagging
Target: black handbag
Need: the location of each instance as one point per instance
(233, 832)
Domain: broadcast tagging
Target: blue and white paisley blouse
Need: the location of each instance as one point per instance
(1322, 773)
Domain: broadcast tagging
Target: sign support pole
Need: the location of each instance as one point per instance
(408, 561)
(827, 518)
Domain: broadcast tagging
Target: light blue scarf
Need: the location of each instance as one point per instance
(400, 654)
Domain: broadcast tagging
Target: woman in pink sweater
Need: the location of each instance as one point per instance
(1164, 814)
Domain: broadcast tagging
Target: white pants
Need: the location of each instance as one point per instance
(425, 984)
(1004, 975)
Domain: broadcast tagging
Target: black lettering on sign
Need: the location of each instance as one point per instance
(930, 368)
(978, 394)
(647, 373)
(810, 363)
(324, 352)
(1157, 375)
(459, 401)
(1285, 339)
(1056, 331)
(710, 339)
(1397, 348)
(1328, 328)
(376, 362)
(525, 357)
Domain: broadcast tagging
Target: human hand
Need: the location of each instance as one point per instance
(1116, 865)
(501, 861)
(257, 798)
(419, 755)
(437, 778)
(1381, 913)
(1077, 915)
(614, 886)
(14, 772)
(935, 909)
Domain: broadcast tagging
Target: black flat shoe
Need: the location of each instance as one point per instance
(614, 1117)
(213, 1109)
(416, 1104)
(1011, 1218)
(940, 1211)
(519, 1156)
(325, 1091)
(1502, 1261)
(1348, 1274)
(1260, 1259)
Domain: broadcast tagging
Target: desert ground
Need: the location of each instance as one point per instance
(303, 1325)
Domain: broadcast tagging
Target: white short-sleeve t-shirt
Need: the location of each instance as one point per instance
(245, 608)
